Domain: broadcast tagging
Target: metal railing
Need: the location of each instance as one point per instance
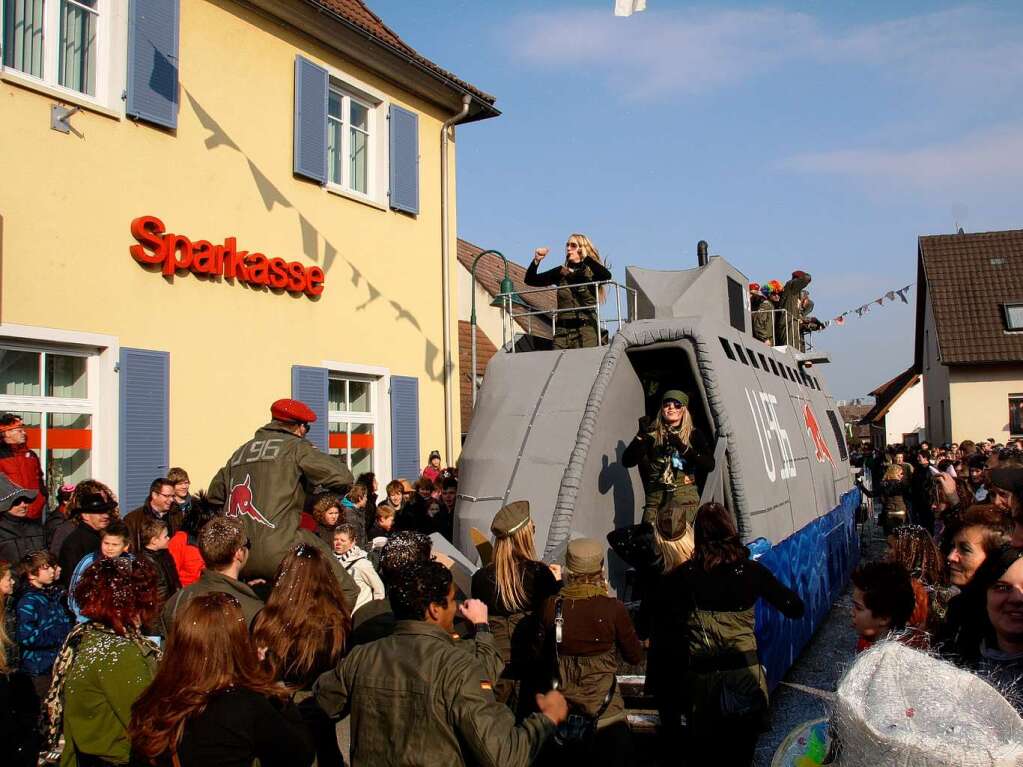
(793, 326)
(510, 315)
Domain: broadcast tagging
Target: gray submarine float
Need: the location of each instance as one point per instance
(550, 427)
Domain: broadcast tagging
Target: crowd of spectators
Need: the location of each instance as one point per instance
(952, 580)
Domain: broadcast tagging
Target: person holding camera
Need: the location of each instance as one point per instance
(673, 456)
(576, 323)
(585, 630)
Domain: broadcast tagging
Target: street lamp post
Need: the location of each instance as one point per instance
(507, 292)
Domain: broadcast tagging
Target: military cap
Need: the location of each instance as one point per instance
(676, 394)
(510, 519)
(292, 411)
(585, 556)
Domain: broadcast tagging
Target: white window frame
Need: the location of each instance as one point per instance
(45, 405)
(1008, 316)
(111, 59)
(377, 146)
(379, 416)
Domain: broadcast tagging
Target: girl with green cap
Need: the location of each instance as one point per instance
(673, 456)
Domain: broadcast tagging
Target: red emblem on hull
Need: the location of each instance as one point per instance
(814, 430)
(240, 504)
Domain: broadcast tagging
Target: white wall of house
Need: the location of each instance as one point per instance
(906, 416)
(980, 400)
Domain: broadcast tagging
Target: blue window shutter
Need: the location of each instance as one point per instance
(153, 61)
(404, 427)
(144, 423)
(310, 120)
(404, 135)
(309, 385)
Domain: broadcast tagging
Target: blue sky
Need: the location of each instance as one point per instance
(825, 136)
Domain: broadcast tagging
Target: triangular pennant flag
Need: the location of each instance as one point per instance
(902, 294)
(879, 301)
(840, 320)
(890, 295)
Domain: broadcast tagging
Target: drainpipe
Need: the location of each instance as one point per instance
(445, 257)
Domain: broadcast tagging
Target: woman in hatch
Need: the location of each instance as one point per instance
(673, 456)
(577, 327)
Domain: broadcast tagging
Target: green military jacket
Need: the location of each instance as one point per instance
(418, 697)
(722, 654)
(763, 321)
(209, 582)
(265, 483)
(787, 324)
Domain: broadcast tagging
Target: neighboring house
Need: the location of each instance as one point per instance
(852, 413)
(898, 413)
(246, 207)
(492, 328)
(969, 335)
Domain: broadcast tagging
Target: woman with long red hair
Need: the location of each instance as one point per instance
(212, 702)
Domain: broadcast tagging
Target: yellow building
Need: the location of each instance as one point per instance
(969, 335)
(208, 205)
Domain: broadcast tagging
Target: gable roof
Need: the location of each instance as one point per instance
(357, 14)
(490, 272)
(969, 277)
(888, 393)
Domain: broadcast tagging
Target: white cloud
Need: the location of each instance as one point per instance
(988, 158)
(691, 51)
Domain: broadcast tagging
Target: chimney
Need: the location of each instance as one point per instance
(701, 253)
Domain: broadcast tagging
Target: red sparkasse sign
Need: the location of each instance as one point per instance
(175, 251)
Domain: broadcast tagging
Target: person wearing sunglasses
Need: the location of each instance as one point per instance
(576, 321)
(673, 456)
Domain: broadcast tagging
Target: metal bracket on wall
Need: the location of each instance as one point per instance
(60, 116)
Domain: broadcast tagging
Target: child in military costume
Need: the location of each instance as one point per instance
(579, 328)
(673, 456)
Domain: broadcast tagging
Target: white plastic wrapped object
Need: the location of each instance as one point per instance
(899, 707)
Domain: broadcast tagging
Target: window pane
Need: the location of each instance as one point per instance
(359, 160)
(337, 439)
(1016, 416)
(361, 448)
(68, 448)
(358, 391)
(19, 373)
(334, 105)
(23, 36)
(336, 399)
(66, 376)
(334, 149)
(1015, 314)
(359, 115)
(78, 45)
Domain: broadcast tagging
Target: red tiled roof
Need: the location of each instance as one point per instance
(490, 272)
(485, 349)
(887, 393)
(969, 278)
(358, 13)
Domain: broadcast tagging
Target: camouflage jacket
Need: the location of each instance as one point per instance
(417, 698)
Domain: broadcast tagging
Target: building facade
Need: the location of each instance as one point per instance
(209, 205)
(897, 417)
(969, 335)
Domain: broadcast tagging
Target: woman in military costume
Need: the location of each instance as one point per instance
(673, 456)
(575, 326)
(514, 586)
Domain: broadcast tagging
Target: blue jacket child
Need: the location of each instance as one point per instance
(43, 624)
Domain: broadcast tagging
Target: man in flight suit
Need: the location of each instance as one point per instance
(416, 698)
(265, 483)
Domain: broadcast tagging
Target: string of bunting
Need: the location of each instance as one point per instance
(890, 296)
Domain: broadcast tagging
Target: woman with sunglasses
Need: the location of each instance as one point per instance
(576, 323)
(673, 456)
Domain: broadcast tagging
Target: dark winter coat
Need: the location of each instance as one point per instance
(173, 518)
(209, 582)
(167, 580)
(20, 536)
(43, 624)
(81, 541)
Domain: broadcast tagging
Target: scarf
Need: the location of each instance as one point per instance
(53, 719)
(582, 591)
(349, 557)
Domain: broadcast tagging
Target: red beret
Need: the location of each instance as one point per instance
(291, 410)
